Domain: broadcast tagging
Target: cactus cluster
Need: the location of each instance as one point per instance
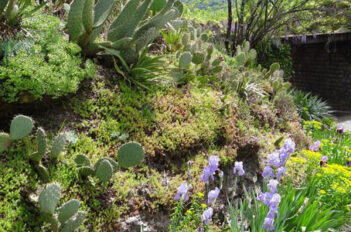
(56, 149)
(21, 126)
(129, 154)
(275, 76)
(197, 51)
(244, 55)
(129, 33)
(66, 218)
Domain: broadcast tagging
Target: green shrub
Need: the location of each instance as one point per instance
(42, 64)
(311, 107)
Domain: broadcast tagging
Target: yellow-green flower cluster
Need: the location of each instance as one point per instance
(313, 125)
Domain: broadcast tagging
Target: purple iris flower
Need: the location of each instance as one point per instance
(207, 216)
(238, 168)
(268, 172)
(213, 162)
(182, 192)
(324, 158)
(289, 146)
(275, 200)
(315, 146)
(348, 163)
(208, 171)
(280, 172)
(274, 159)
(268, 224)
(340, 129)
(283, 155)
(212, 195)
(273, 185)
(265, 198)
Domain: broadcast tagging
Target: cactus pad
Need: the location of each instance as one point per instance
(204, 37)
(43, 173)
(74, 222)
(21, 126)
(198, 58)
(104, 171)
(130, 154)
(58, 146)
(49, 198)
(41, 137)
(241, 58)
(82, 160)
(246, 46)
(5, 141)
(217, 69)
(216, 62)
(184, 60)
(86, 171)
(67, 210)
(274, 67)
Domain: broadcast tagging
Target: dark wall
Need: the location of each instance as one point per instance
(323, 69)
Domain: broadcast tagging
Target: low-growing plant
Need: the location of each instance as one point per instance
(145, 73)
(43, 65)
(129, 155)
(311, 107)
(65, 218)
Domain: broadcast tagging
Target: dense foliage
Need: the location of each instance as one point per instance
(41, 65)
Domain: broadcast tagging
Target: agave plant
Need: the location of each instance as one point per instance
(311, 107)
(129, 33)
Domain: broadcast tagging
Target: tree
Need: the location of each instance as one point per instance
(256, 19)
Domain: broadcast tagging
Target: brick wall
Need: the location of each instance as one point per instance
(323, 68)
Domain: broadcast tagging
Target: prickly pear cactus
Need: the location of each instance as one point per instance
(67, 210)
(130, 154)
(49, 198)
(104, 171)
(43, 173)
(241, 59)
(5, 141)
(82, 160)
(204, 37)
(73, 223)
(198, 58)
(86, 171)
(41, 137)
(185, 60)
(21, 126)
(58, 146)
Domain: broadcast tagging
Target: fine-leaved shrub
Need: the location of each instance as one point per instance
(41, 63)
